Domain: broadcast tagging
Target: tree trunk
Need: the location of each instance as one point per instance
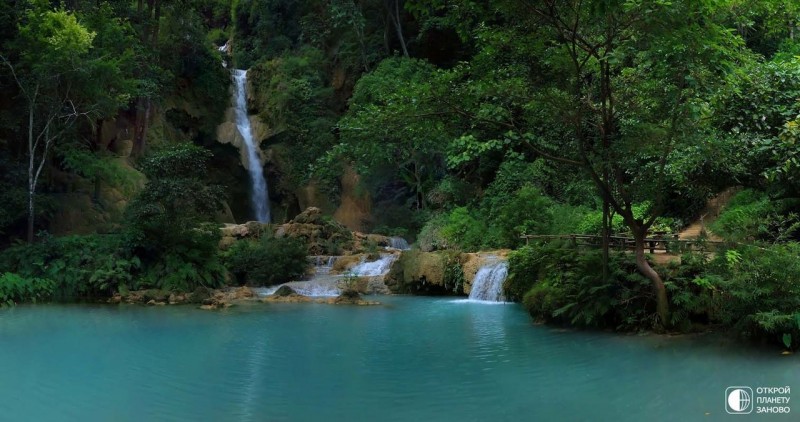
(31, 190)
(605, 234)
(662, 305)
(394, 15)
(30, 216)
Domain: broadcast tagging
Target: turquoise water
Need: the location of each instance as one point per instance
(414, 359)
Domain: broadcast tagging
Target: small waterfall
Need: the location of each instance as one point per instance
(375, 271)
(260, 197)
(488, 283)
(323, 264)
(398, 243)
(377, 268)
(324, 284)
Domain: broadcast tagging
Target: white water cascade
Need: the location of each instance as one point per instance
(260, 196)
(398, 243)
(488, 283)
(377, 268)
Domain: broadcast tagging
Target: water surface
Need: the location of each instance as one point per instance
(414, 359)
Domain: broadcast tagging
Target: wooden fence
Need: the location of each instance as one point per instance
(658, 243)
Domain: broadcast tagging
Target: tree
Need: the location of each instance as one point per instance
(391, 125)
(59, 81)
(615, 88)
(166, 220)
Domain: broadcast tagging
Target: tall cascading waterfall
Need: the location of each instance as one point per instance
(488, 283)
(260, 196)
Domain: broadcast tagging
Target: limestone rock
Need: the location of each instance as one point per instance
(311, 215)
(350, 297)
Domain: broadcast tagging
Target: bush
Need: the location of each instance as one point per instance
(464, 231)
(15, 288)
(527, 212)
(78, 266)
(759, 291)
(567, 287)
(167, 221)
(752, 215)
(430, 238)
(523, 271)
(267, 261)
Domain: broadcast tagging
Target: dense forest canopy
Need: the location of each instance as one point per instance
(467, 123)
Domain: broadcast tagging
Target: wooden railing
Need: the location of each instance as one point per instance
(658, 242)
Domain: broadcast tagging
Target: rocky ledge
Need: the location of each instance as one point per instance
(210, 299)
(286, 294)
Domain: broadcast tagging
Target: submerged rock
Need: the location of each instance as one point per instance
(286, 294)
(350, 297)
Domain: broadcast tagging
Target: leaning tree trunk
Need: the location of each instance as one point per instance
(662, 305)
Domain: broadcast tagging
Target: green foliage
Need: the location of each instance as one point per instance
(464, 230)
(267, 261)
(759, 293)
(78, 266)
(568, 288)
(560, 283)
(753, 215)
(592, 222)
(15, 288)
(430, 237)
(165, 221)
(524, 266)
(453, 274)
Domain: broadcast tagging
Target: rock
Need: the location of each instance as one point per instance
(284, 291)
(215, 306)
(255, 228)
(226, 242)
(177, 299)
(235, 230)
(117, 298)
(199, 295)
(350, 297)
(287, 298)
(240, 293)
(312, 215)
(345, 263)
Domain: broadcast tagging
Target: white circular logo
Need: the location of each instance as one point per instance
(739, 400)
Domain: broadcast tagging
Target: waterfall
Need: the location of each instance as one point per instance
(377, 268)
(325, 284)
(323, 264)
(260, 197)
(488, 283)
(398, 243)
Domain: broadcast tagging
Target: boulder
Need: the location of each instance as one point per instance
(284, 291)
(311, 215)
(199, 295)
(350, 297)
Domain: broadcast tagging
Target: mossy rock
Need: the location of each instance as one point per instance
(199, 295)
(284, 291)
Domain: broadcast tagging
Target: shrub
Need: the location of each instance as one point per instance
(267, 261)
(15, 288)
(759, 291)
(167, 226)
(79, 266)
(464, 230)
(430, 238)
(527, 212)
(567, 287)
(752, 215)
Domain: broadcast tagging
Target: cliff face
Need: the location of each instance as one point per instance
(86, 205)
